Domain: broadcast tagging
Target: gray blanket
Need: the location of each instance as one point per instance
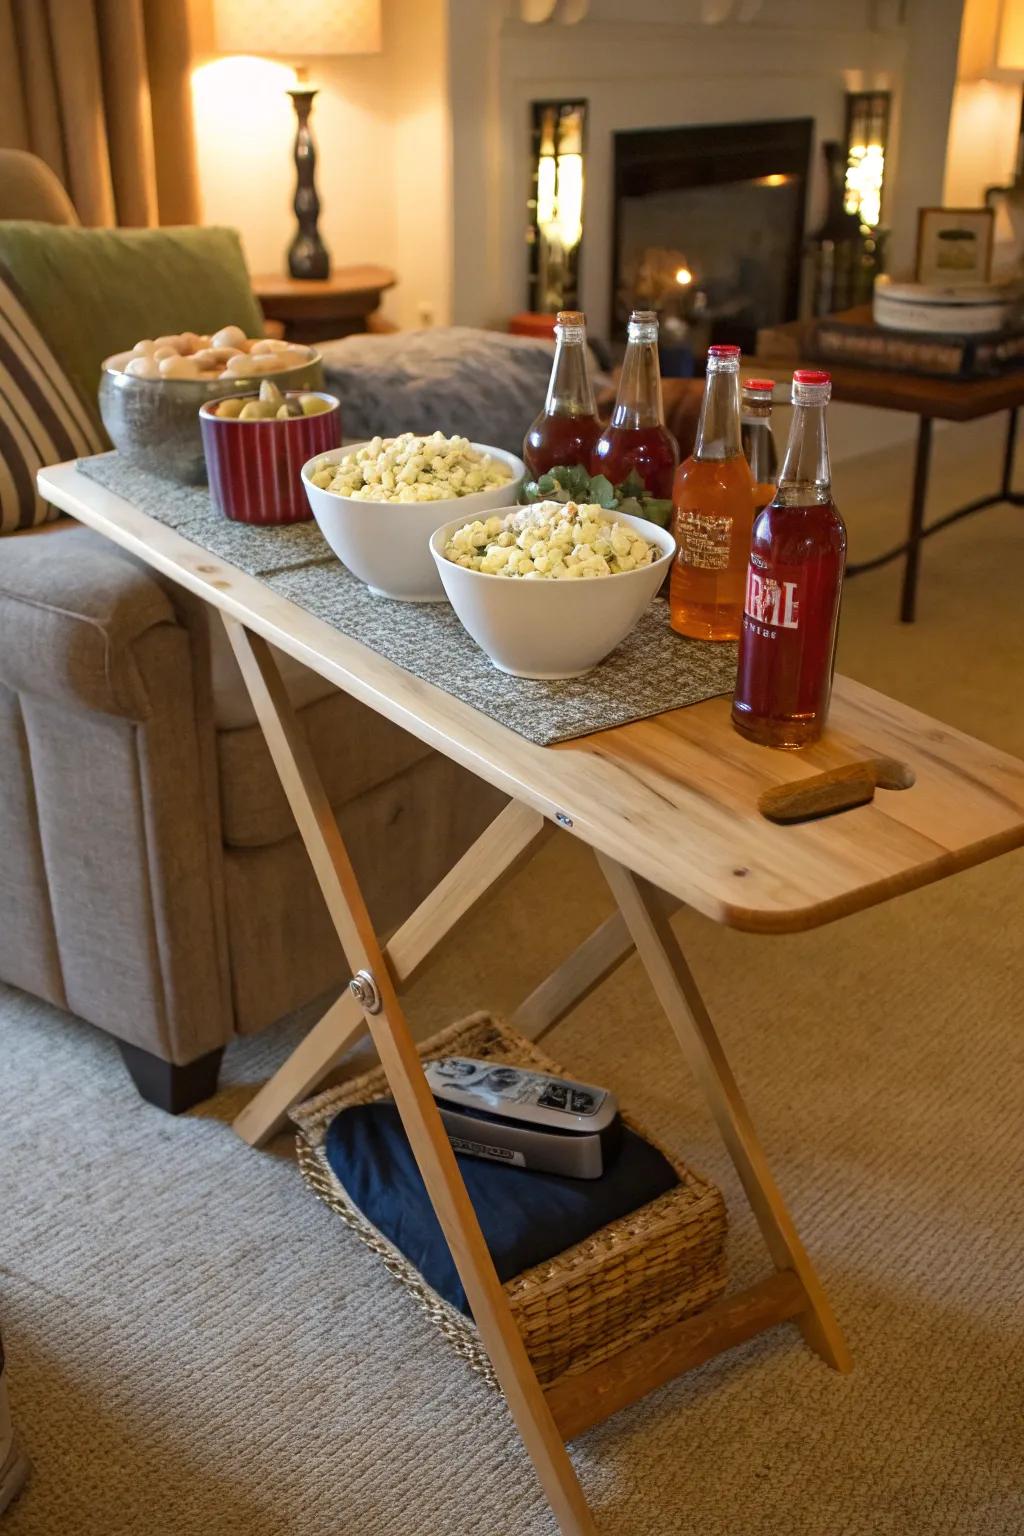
(483, 385)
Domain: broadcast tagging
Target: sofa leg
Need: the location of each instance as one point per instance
(172, 1088)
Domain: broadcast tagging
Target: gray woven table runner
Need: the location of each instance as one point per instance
(651, 671)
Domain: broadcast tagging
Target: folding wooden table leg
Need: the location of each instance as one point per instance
(591, 963)
(404, 1072)
(514, 832)
(677, 991)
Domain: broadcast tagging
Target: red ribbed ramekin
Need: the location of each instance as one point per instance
(254, 467)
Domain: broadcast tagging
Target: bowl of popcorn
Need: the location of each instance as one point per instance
(150, 397)
(549, 590)
(377, 504)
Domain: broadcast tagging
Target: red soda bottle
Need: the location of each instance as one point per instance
(568, 427)
(791, 610)
(637, 437)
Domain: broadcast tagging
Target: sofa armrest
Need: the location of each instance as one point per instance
(72, 608)
(111, 870)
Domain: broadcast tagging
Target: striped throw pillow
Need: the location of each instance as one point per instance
(42, 420)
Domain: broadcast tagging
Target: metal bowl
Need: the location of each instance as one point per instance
(154, 423)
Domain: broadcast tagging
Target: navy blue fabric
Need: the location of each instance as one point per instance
(526, 1217)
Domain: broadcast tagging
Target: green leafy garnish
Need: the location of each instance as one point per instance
(570, 482)
(602, 492)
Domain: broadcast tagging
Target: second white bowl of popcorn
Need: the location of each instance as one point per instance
(377, 503)
(549, 590)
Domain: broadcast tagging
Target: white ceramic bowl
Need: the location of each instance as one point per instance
(385, 543)
(550, 629)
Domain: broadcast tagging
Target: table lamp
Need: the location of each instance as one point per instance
(300, 29)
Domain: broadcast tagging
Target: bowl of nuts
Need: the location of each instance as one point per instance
(377, 504)
(150, 397)
(256, 446)
(549, 590)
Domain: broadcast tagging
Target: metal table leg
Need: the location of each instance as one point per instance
(908, 594)
(1011, 444)
(917, 532)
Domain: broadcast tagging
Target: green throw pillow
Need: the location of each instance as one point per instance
(93, 292)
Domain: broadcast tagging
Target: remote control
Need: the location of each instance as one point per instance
(523, 1118)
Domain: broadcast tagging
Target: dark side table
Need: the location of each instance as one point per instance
(313, 310)
(930, 400)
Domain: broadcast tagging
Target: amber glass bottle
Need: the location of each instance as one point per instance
(713, 508)
(568, 427)
(797, 557)
(637, 437)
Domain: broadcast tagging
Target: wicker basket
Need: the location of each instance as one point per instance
(627, 1281)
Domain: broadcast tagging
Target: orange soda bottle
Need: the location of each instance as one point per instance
(712, 512)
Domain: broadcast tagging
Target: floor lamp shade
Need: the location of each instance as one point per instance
(300, 29)
(297, 29)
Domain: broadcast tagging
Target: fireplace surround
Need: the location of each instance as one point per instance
(709, 226)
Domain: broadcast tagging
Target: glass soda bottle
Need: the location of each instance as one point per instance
(568, 427)
(637, 437)
(712, 510)
(791, 611)
(758, 439)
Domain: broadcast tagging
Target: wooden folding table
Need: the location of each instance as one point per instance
(677, 809)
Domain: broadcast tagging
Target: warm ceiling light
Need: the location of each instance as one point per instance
(684, 277)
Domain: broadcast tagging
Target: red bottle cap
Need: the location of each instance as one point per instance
(811, 376)
(761, 384)
(723, 350)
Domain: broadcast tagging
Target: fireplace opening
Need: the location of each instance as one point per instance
(709, 226)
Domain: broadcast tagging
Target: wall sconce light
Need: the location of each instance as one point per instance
(556, 206)
(867, 135)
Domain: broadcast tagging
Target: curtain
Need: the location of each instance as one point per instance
(99, 89)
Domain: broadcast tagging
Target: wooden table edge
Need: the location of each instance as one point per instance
(203, 582)
(871, 389)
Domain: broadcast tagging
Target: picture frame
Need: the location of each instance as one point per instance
(954, 246)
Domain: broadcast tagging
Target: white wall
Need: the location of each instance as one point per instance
(982, 140)
(416, 33)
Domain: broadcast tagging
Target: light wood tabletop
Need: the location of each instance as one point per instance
(680, 799)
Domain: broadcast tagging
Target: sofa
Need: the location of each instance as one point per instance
(151, 879)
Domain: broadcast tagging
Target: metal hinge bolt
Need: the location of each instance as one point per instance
(364, 990)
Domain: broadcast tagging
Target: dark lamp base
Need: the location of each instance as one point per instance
(307, 254)
(308, 258)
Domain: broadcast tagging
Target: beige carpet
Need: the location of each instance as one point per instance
(196, 1346)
